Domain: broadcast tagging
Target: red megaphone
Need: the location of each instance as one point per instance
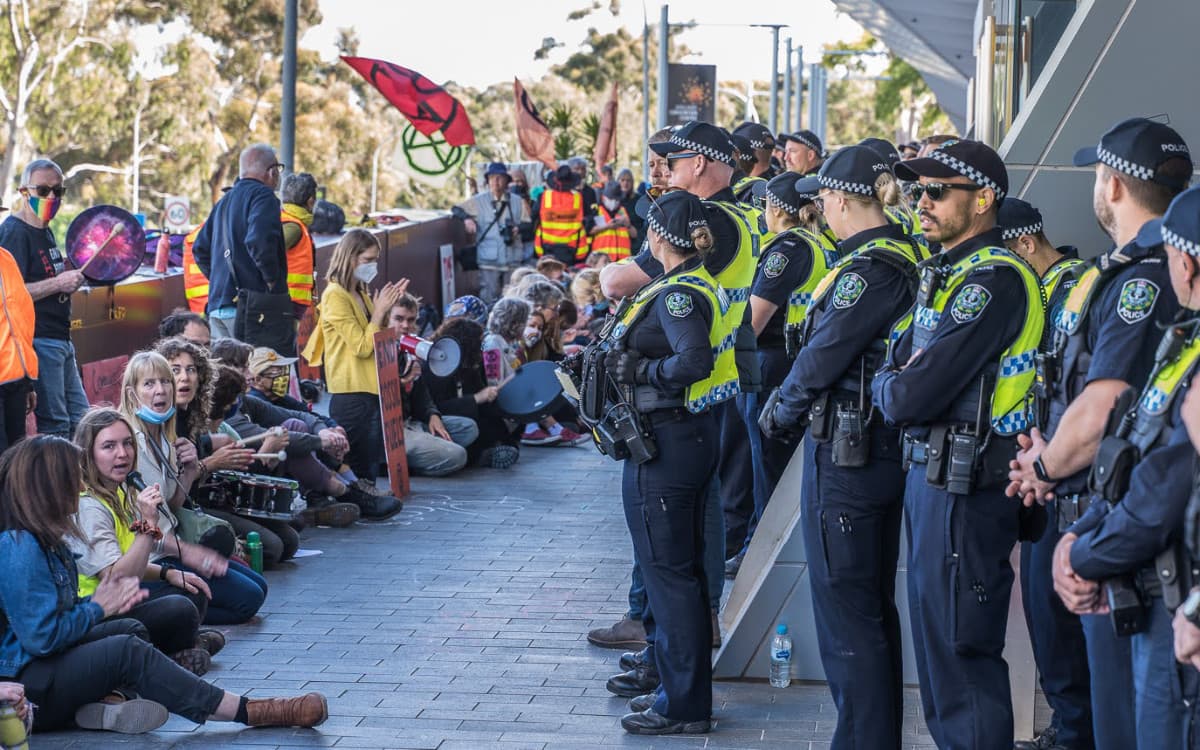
(442, 356)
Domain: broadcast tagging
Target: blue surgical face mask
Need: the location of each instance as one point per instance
(148, 415)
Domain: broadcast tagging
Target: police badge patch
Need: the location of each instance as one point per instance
(679, 304)
(849, 288)
(1137, 300)
(774, 265)
(970, 301)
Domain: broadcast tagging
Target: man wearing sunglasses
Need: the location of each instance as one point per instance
(26, 234)
(958, 381)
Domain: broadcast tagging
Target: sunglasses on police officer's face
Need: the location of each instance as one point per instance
(937, 190)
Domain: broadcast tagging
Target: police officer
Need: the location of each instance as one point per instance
(958, 380)
(853, 485)
(1055, 634)
(665, 350)
(763, 144)
(792, 265)
(900, 213)
(1107, 334)
(802, 152)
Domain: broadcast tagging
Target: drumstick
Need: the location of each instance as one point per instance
(280, 456)
(273, 432)
(116, 229)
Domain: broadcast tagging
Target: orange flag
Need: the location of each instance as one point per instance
(606, 139)
(532, 132)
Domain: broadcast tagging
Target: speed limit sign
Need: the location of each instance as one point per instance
(177, 213)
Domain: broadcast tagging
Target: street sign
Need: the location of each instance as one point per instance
(177, 214)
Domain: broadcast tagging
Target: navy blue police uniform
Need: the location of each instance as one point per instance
(958, 381)
(852, 490)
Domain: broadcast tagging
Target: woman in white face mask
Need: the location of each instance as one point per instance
(349, 316)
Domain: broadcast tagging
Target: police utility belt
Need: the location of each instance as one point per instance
(958, 459)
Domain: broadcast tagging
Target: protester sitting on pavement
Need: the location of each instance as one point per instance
(344, 342)
(109, 546)
(597, 260)
(75, 656)
(514, 283)
(434, 445)
(192, 370)
(187, 325)
(502, 342)
(471, 307)
(466, 393)
(545, 298)
(148, 404)
(554, 270)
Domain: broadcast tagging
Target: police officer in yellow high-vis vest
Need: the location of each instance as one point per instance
(648, 390)
(959, 382)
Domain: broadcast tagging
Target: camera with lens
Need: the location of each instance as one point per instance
(507, 233)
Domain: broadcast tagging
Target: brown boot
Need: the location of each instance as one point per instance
(625, 634)
(305, 711)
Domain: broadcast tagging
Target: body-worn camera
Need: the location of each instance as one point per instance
(1128, 612)
(621, 437)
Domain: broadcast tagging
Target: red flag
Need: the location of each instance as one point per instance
(532, 132)
(606, 139)
(428, 106)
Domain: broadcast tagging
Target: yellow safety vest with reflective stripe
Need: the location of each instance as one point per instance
(1012, 396)
(906, 251)
(824, 257)
(125, 539)
(300, 263)
(560, 222)
(737, 277)
(1054, 277)
(722, 383)
(1160, 391)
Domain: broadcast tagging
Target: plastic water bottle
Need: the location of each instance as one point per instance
(254, 549)
(781, 658)
(12, 729)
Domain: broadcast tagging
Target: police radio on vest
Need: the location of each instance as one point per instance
(442, 356)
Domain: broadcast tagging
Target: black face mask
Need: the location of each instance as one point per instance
(520, 190)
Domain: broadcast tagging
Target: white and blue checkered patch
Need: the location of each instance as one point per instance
(926, 317)
(1154, 400)
(1013, 423)
(1023, 362)
(738, 294)
(797, 299)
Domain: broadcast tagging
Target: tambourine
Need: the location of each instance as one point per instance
(106, 243)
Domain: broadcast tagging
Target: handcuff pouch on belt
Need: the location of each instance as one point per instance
(1046, 371)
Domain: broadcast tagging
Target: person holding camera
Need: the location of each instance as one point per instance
(499, 219)
(649, 386)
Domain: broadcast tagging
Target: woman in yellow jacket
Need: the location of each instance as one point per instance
(349, 316)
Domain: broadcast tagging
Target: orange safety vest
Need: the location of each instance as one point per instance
(614, 243)
(195, 283)
(300, 264)
(560, 222)
(17, 357)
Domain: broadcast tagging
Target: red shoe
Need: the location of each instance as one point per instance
(540, 437)
(571, 437)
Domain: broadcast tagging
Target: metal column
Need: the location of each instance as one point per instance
(287, 125)
(664, 25)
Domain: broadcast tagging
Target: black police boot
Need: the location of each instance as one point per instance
(373, 507)
(638, 681)
(642, 702)
(1045, 740)
(651, 722)
(633, 659)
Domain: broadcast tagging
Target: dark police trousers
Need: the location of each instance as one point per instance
(1059, 648)
(664, 508)
(1165, 690)
(1110, 665)
(734, 472)
(768, 457)
(851, 521)
(959, 583)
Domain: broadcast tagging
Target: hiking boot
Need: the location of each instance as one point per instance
(367, 486)
(625, 634)
(637, 681)
(632, 659)
(500, 456)
(212, 641)
(373, 507)
(195, 660)
(326, 511)
(652, 722)
(309, 710)
(540, 437)
(134, 716)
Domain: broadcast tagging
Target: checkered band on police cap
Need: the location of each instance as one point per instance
(1182, 243)
(799, 137)
(782, 204)
(968, 171)
(700, 148)
(1012, 233)
(846, 186)
(1125, 166)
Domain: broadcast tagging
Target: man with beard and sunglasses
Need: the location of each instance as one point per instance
(26, 234)
(958, 380)
(1106, 343)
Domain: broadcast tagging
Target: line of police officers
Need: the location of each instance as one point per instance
(967, 392)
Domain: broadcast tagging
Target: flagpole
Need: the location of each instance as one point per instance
(645, 94)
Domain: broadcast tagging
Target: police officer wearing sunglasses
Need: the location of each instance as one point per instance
(958, 381)
(853, 485)
(666, 361)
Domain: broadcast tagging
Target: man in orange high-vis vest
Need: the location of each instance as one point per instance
(299, 195)
(18, 360)
(613, 232)
(561, 232)
(195, 283)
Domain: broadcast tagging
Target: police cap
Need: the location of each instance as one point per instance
(1138, 147)
(976, 161)
(701, 138)
(1017, 218)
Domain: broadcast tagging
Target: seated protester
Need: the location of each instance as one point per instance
(187, 325)
(546, 299)
(591, 303)
(535, 327)
(466, 393)
(597, 260)
(435, 446)
(148, 404)
(471, 307)
(71, 653)
(109, 544)
(514, 283)
(317, 482)
(503, 341)
(306, 438)
(553, 269)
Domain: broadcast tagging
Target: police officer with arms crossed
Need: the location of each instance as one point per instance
(959, 380)
(793, 263)
(1056, 635)
(1106, 340)
(664, 367)
(853, 485)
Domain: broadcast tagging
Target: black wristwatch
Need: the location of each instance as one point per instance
(163, 570)
(1040, 470)
(1191, 607)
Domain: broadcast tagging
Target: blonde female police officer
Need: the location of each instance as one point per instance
(853, 484)
(670, 360)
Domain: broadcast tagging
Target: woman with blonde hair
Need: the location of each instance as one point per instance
(350, 315)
